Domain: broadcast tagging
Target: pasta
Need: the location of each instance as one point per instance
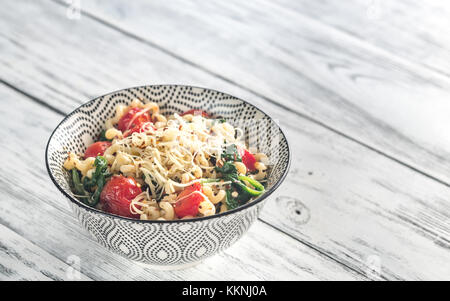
(155, 167)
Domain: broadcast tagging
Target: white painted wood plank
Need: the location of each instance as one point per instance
(22, 260)
(414, 30)
(33, 207)
(348, 182)
(362, 208)
(390, 105)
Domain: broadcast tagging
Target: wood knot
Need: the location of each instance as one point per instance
(294, 209)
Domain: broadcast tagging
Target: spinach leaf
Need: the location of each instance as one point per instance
(231, 153)
(228, 171)
(231, 202)
(96, 196)
(98, 180)
(245, 193)
(103, 137)
(78, 187)
(259, 188)
(101, 170)
(218, 120)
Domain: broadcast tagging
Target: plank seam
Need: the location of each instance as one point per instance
(318, 250)
(33, 98)
(37, 246)
(366, 45)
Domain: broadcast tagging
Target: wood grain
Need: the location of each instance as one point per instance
(39, 213)
(386, 104)
(22, 260)
(349, 204)
(416, 31)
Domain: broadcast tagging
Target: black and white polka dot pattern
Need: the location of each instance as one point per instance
(167, 242)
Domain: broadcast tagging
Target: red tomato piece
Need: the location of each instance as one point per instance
(143, 127)
(247, 158)
(117, 195)
(135, 117)
(196, 112)
(97, 149)
(188, 201)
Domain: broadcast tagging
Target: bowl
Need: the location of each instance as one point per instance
(175, 243)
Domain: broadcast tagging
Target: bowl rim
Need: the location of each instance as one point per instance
(197, 219)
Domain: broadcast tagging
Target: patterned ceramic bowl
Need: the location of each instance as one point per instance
(167, 243)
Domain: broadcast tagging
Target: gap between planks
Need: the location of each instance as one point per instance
(46, 274)
(319, 251)
(373, 47)
(285, 107)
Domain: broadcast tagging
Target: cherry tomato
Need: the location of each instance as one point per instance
(135, 117)
(247, 158)
(145, 126)
(196, 112)
(188, 201)
(97, 149)
(117, 195)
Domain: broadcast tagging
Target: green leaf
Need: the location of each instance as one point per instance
(101, 170)
(231, 202)
(78, 187)
(98, 180)
(103, 137)
(228, 171)
(209, 180)
(96, 196)
(231, 153)
(259, 188)
(245, 193)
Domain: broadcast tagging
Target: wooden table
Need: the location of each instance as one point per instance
(362, 89)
